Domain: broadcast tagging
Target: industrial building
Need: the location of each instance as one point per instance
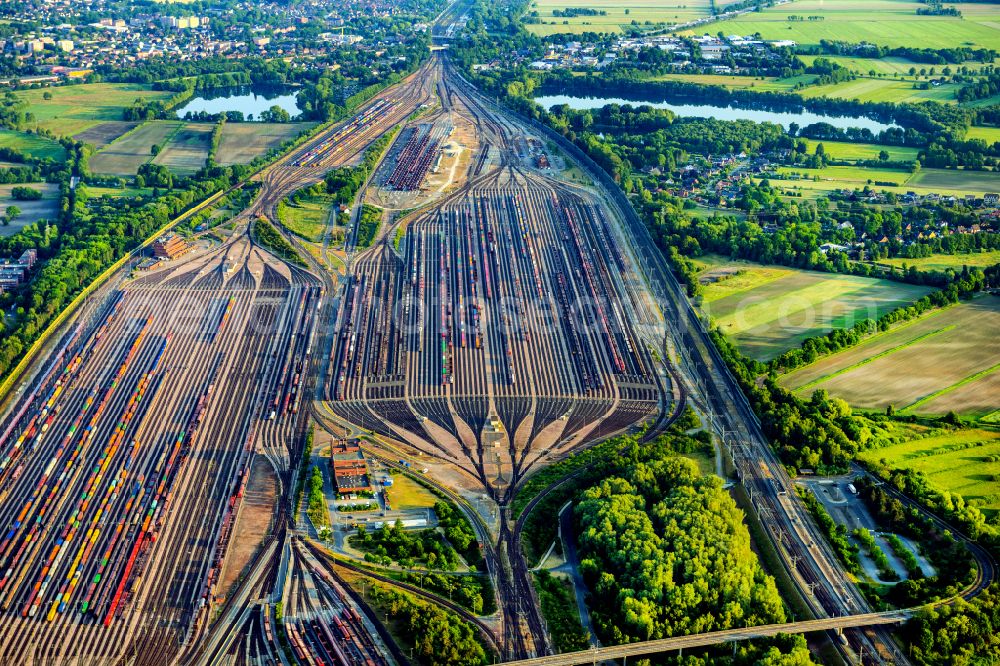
(169, 247)
(350, 470)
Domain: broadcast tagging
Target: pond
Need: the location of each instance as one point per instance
(783, 118)
(248, 99)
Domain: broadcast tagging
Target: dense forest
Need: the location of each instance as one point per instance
(963, 633)
(440, 637)
(665, 553)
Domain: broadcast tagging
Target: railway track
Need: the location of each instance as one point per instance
(506, 330)
(167, 387)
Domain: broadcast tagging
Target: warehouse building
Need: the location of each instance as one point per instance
(169, 247)
(350, 469)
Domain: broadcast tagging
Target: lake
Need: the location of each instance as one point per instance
(783, 118)
(248, 99)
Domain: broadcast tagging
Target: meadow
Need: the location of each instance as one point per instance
(766, 310)
(943, 361)
(736, 82)
(852, 21)
(619, 12)
(308, 218)
(925, 181)
(76, 108)
(125, 155)
(965, 461)
(405, 493)
(940, 262)
(867, 89)
(116, 192)
(32, 144)
(988, 134)
(242, 142)
(889, 66)
(843, 150)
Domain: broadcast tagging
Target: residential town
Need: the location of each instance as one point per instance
(72, 44)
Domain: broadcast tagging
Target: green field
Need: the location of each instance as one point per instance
(956, 181)
(938, 363)
(308, 218)
(32, 144)
(988, 134)
(883, 90)
(640, 11)
(888, 66)
(406, 493)
(925, 181)
(842, 150)
(115, 192)
(76, 108)
(736, 82)
(242, 142)
(884, 22)
(125, 155)
(940, 262)
(768, 309)
(956, 461)
(984, 102)
(187, 149)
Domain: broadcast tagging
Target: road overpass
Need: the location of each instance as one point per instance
(594, 655)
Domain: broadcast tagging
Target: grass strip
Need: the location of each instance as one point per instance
(948, 389)
(886, 352)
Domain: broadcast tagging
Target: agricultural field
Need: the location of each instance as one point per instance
(925, 181)
(852, 21)
(843, 150)
(984, 102)
(76, 108)
(31, 211)
(944, 361)
(102, 134)
(889, 66)
(242, 142)
(125, 155)
(767, 310)
(736, 82)
(308, 218)
(187, 149)
(884, 90)
(32, 144)
(619, 12)
(940, 262)
(965, 461)
(951, 180)
(988, 134)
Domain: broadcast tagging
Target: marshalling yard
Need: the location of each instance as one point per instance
(124, 459)
(501, 330)
(124, 464)
(500, 319)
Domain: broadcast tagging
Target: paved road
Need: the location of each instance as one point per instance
(594, 655)
(568, 537)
